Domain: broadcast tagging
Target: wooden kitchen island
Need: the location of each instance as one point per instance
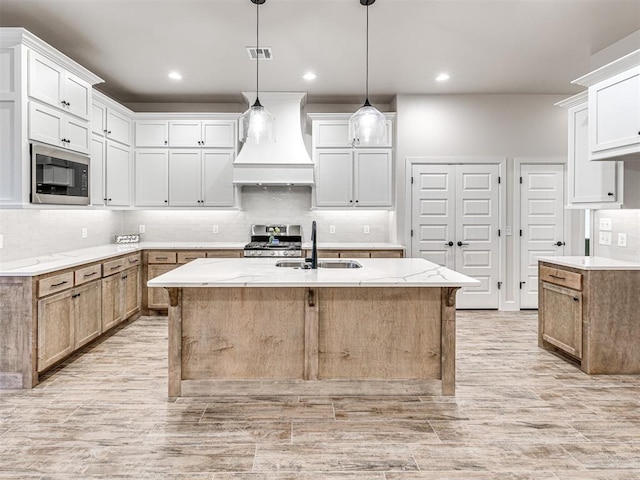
(248, 327)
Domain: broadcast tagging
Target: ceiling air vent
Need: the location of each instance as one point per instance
(262, 53)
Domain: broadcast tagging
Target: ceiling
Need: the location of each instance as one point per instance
(488, 46)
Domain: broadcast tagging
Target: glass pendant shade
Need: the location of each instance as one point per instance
(368, 126)
(257, 125)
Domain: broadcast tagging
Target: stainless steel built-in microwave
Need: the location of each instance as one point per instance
(58, 176)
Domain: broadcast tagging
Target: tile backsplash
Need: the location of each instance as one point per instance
(260, 205)
(31, 233)
(622, 221)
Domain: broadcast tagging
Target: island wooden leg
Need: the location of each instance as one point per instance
(311, 336)
(448, 336)
(175, 341)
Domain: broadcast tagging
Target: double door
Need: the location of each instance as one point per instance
(455, 223)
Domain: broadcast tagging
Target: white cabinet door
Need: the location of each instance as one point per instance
(217, 178)
(331, 133)
(151, 178)
(117, 175)
(46, 80)
(77, 133)
(373, 178)
(53, 85)
(118, 127)
(591, 184)
(96, 169)
(76, 94)
(46, 124)
(614, 113)
(185, 133)
(334, 178)
(218, 133)
(152, 133)
(98, 119)
(185, 178)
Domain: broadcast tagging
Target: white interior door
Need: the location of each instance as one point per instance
(541, 223)
(477, 244)
(433, 214)
(455, 221)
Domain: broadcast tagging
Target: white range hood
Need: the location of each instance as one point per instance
(285, 162)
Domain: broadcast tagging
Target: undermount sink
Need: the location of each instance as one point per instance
(321, 264)
(338, 264)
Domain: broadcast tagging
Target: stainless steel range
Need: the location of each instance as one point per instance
(274, 241)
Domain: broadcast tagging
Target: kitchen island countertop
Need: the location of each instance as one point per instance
(262, 272)
(591, 263)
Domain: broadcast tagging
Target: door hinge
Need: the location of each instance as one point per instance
(499, 285)
(520, 180)
(498, 232)
(522, 283)
(521, 232)
(411, 180)
(499, 180)
(412, 232)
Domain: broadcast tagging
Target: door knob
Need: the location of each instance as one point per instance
(462, 243)
(448, 244)
(559, 244)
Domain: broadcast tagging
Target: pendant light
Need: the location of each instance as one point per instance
(367, 126)
(257, 125)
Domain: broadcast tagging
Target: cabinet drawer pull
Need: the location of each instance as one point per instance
(610, 194)
(557, 276)
(576, 299)
(136, 260)
(161, 258)
(90, 274)
(117, 266)
(58, 284)
(76, 295)
(125, 277)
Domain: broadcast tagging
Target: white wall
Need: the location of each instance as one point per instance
(508, 126)
(31, 233)
(260, 205)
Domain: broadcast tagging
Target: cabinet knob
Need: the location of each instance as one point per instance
(166, 201)
(610, 194)
(165, 142)
(448, 244)
(460, 244)
(576, 299)
(559, 244)
(357, 201)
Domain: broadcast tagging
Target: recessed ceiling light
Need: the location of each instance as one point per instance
(309, 76)
(175, 76)
(443, 77)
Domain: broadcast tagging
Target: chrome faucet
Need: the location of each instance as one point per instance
(314, 247)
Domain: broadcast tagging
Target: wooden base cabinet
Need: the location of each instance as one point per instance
(120, 297)
(592, 316)
(67, 321)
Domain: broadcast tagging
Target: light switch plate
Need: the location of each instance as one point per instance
(605, 238)
(215, 229)
(332, 229)
(605, 224)
(141, 228)
(366, 229)
(84, 233)
(622, 239)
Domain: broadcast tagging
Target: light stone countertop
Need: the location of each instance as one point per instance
(262, 272)
(31, 267)
(591, 263)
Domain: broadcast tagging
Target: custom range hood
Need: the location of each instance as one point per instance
(285, 162)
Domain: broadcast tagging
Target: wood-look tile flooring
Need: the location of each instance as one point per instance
(519, 413)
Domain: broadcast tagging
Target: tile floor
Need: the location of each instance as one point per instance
(519, 413)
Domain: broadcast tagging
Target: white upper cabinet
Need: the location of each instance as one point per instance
(217, 178)
(152, 133)
(152, 178)
(52, 126)
(335, 133)
(590, 184)
(117, 175)
(52, 84)
(185, 172)
(348, 176)
(98, 152)
(111, 124)
(614, 106)
(614, 109)
(202, 133)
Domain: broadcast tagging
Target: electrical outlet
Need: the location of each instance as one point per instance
(622, 239)
(84, 233)
(141, 228)
(215, 229)
(332, 229)
(605, 224)
(366, 229)
(605, 238)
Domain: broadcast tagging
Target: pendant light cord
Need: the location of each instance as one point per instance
(257, 50)
(367, 62)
